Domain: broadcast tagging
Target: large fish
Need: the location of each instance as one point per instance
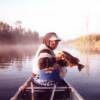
(69, 60)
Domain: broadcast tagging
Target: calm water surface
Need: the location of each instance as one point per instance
(15, 69)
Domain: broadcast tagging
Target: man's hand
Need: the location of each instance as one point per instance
(60, 56)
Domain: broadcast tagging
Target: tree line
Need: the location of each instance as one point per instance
(17, 34)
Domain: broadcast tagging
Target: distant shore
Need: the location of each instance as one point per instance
(89, 43)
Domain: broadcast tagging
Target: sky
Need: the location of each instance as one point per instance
(68, 18)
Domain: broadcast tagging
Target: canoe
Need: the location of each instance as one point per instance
(29, 91)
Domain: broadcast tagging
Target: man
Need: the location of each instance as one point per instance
(46, 66)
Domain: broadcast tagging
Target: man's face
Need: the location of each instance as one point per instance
(53, 44)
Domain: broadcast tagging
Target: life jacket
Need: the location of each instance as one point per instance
(42, 52)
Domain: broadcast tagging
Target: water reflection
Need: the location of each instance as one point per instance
(10, 58)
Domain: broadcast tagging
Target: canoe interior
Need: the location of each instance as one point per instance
(35, 92)
(44, 95)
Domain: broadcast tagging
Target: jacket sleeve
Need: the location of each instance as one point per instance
(62, 63)
(46, 62)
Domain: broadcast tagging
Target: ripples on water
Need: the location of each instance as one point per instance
(16, 67)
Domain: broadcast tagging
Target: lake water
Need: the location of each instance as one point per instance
(16, 68)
